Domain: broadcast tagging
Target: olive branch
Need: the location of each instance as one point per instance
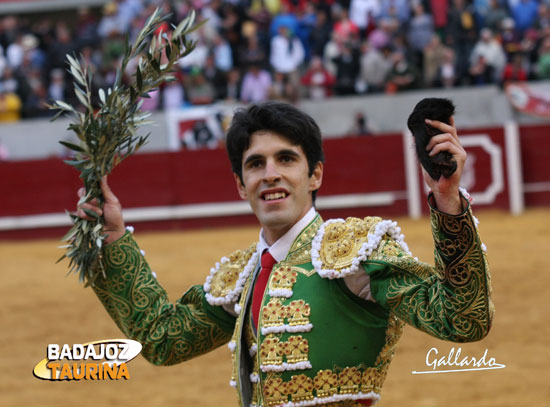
(108, 133)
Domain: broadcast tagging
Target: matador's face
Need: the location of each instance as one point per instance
(276, 182)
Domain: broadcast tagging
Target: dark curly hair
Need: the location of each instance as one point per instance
(281, 118)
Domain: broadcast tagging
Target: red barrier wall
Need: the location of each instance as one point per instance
(535, 156)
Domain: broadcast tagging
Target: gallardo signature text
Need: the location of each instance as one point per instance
(461, 364)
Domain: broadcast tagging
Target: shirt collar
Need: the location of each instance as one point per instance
(280, 248)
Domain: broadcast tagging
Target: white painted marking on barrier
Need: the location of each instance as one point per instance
(411, 176)
(497, 173)
(536, 187)
(514, 168)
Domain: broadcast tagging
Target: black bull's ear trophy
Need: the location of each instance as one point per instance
(434, 109)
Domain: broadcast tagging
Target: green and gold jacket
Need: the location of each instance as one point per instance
(316, 343)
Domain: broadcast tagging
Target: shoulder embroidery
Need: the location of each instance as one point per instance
(226, 280)
(341, 245)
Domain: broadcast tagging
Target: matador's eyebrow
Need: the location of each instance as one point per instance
(285, 151)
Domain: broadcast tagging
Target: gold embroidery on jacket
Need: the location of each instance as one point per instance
(283, 278)
(296, 349)
(274, 313)
(271, 351)
(349, 380)
(342, 241)
(299, 252)
(300, 387)
(298, 313)
(275, 391)
(225, 278)
(326, 383)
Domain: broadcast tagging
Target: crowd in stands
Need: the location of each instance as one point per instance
(253, 50)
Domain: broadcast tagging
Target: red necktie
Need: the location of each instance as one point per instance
(263, 276)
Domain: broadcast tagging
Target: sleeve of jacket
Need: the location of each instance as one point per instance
(169, 333)
(451, 301)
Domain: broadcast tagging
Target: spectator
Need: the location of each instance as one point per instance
(493, 55)
(256, 85)
(284, 19)
(402, 76)
(515, 71)
(63, 45)
(231, 28)
(543, 64)
(420, 33)
(509, 38)
(318, 80)
(223, 56)
(396, 9)
(345, 28)
(333, 49)
(435, 54)
(253, 53)
(481, 9)
(287, 53)
(446, 74)
(382, 35)
(295, 6)
(127, 10)
(360, 126)
(260, 15)
(110, 22)
(10, 106)
(524, 14)
(495, 16)
(543, 16)
(347, 69)
(10, 31)
(460, 34)
(57, 88)
(9, 82)
(529, 48)
(233, 86)
(364, 13)
(283, 88)
(375, 66)
(86, 28)
(306, 24)
(199, 90)
(215, 76)
(481, 73)
(3, 62)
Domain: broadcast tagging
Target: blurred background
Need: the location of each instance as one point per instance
(358, 68)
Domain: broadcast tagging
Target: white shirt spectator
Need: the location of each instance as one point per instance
(14, 54)
(491, 49)
(286, 54)
(359, 11)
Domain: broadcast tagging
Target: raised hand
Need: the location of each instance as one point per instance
(445, 190)
(111, 212)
